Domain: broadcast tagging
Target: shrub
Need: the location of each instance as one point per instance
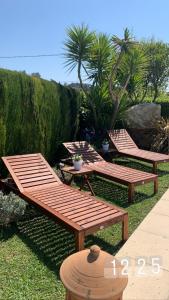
(12, 208)
(161, 138)
(36, 115)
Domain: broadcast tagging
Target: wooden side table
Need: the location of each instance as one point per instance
(84, 173)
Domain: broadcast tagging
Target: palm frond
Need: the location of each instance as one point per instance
(77, 45)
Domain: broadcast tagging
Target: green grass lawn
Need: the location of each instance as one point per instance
(32, 251)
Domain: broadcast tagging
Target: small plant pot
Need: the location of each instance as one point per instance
(77, 164)
(105, 147)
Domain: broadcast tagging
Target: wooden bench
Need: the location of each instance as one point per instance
(124, 175)
(127, 147)
(38, 184)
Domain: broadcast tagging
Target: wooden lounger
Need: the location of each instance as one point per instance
(117, 173)
(39, 185)
(126, 146)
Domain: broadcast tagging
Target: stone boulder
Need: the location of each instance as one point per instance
(145, 115)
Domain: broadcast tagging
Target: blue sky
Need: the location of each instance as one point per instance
(31, 27)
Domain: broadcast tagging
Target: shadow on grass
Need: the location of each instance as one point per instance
(52, 243)
(8, 232)
(114, 192)
(139, 165)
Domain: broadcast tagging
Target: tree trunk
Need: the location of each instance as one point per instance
(113, 74)
(87, 95)
(116, 98)
(117, 102)
(115, 112)
(112, 94)
(155, 93)
(144, 95)
(94, 113)
(79, 77)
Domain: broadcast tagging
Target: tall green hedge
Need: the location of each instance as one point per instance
(36, 115)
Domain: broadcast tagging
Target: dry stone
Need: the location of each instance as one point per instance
(142, 116)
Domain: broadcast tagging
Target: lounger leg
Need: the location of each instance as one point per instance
(86, 178)
(131, 193)
(80, 237)
(86, 181)
(125, 228)
(156, 186)
(63, 175)
(155, 167)
(68, 296)
(70, 180)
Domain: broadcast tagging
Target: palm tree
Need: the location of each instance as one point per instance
(99, 60)
(121, 47)
(77, 49)
(98, 68)
(134, 63)
(90, 54)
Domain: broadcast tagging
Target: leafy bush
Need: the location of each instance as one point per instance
(12, 208)
(161, 138)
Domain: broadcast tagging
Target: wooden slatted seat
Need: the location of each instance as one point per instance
(39, 185)
(117, 173)
(126, 146)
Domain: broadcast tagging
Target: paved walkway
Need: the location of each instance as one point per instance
(151, 238)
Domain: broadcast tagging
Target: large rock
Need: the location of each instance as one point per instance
(144, 115)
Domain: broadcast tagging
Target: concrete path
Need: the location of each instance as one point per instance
(150, 239)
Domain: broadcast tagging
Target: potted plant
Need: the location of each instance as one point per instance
(77, 161)
(105, 145)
